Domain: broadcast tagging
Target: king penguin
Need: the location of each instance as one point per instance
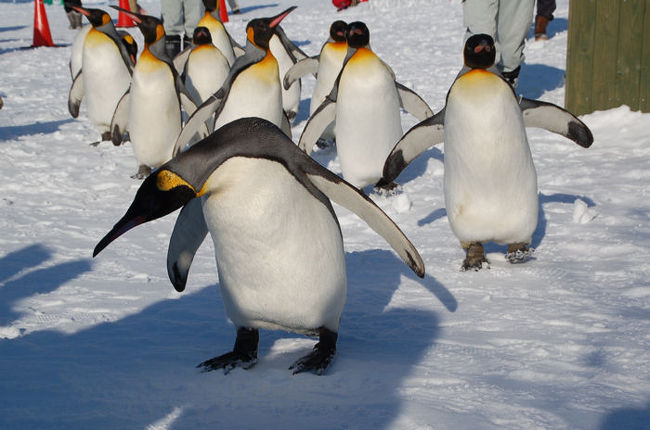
(252, 88)
(220, 37)
(490, 181)
(153, 102)
(77, 49)
(365, 103)
(277, 241)
(105, 72)
(206, 68)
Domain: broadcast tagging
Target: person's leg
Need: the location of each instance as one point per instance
(193, 11)
(513, 23)
(480, 17)
(545, 9)
(172, 15)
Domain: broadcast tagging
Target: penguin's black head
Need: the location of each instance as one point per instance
(201, 36)
(210, 5)
(338, 31)
(150, 26)
(160, 194)
(96, 17)
(129, 43)
(358, 35)
(479, 52)
(259, 31)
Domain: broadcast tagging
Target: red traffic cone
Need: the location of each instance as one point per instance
(223, 13)
(42, 36)
(124, 20)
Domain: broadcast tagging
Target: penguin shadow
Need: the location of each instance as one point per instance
(140, 370)
(247, 9)
(303, 112)
(433, 217)
(542, 223)
(419, 165)
(15, 286)
(16, 131)
(12, 28)
(536, 79)
(627, 418)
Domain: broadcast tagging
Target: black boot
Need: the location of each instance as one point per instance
(512, 77)
(173, 45)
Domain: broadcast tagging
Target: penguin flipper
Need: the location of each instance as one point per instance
(120, 119)
(189, 232)
(75, 95)
(418, 139)
(286, 125)
(351, 198)
(413, 103)
(300, 69)
(553, 118)
(324, 116)
(180, 59)
(296, 53)
(196, 122)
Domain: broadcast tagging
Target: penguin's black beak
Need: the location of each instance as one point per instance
(135, 16)
(160, 194)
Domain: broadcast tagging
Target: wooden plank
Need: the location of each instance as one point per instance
(606, 49)
(628, 61)
(580, 48)
(644, 87)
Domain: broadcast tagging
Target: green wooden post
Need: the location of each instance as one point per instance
(608, 55)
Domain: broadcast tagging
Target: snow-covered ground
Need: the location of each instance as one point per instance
(561, 342)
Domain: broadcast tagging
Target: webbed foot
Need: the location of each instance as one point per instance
(243, 355)
(321, 356)
(475, 257)
(143, 172)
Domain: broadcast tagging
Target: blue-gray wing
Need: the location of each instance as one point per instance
(413, 103)
(555, 119)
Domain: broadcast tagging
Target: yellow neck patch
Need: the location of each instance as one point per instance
(160, 32)
(166, 180)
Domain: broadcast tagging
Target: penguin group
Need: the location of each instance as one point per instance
(235, 172)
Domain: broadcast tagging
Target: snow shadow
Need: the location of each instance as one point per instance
(140, 370)
(39, 281)
(303, 112)
(536, 79)
(16, 131)
(12, 28)
(542, 222)
(419, 165)
(627, 418)
(433, 217)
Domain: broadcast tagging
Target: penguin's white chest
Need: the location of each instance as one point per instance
(290, 97)
(490, 179)
(206, 71)
(105, 78)
(367, 118)
(279, 250)
(329, 66)
(154, 112)
(254, 93)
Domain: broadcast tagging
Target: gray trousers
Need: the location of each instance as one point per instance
(181, 16)
(507, 21)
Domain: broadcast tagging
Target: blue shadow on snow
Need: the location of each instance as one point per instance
(627, 418)
(133, 372)
(16, 131)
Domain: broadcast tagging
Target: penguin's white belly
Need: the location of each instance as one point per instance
(207, 69)
(329, 67)
(367, 121)
(490, 179)
(290, 97)
(154, 116)
(252, 95)
(105, 78)
(279, 250)
(222, 42)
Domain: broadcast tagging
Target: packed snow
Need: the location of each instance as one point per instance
(560, 342)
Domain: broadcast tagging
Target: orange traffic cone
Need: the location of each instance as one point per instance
(223, 13)
(124, 20)
(42, 36)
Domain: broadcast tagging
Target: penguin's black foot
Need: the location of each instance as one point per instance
(475, 258)
(291, 115)
(143, 172)
(325, 143)
(519, 253)
(321, 356)
(243, 355)
(106, 136)
(390, 188)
